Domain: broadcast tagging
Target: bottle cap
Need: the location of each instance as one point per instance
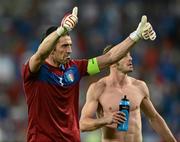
(125, 98)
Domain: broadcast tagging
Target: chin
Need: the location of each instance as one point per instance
(65, 62)
(130, 70)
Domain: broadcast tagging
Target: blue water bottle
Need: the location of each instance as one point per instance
(124, 106)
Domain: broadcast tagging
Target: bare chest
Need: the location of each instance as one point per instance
(111, 97)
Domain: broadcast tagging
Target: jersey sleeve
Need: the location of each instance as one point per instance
(26, 73)
(82, 66)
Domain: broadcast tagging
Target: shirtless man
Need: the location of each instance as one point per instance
(103, 98)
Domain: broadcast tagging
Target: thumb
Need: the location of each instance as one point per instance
(143, 20)
(75, 11)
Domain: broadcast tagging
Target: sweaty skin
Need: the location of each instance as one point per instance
(108, 103)
(103, 98)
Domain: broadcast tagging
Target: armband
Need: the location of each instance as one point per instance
(92, 67)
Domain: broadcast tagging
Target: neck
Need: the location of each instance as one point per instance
(118, 78)
(52, 62)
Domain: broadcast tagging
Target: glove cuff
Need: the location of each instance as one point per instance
(60, 30)
(134, 36)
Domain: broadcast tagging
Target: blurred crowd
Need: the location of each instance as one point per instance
(101, 22)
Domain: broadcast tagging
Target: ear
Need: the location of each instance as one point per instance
(52, 52)
(114, 65)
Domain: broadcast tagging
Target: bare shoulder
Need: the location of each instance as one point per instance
(99, 85)
(141, 85)
(97, 88)
(137, 82)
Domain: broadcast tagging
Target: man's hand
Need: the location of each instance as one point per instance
(68, 22)
(148, 32)
(116, 117)
(144, 30)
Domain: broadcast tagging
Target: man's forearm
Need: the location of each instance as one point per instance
(48, 45)
(89, 124)
(120, 50)
(160, 126)
(115, 54)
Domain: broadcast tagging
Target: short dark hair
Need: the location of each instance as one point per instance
(107, 48)
(50, 30)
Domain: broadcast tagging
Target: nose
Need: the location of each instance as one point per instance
(69, 49)
(130, 58)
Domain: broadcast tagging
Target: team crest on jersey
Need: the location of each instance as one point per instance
(70, 77)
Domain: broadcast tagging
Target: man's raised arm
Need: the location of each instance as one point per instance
(48, 44)
(144, 30)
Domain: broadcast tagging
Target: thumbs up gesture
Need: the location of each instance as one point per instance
(144, 30)
(68, 22)
(148, 32)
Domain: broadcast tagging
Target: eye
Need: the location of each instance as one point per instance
(66, 45)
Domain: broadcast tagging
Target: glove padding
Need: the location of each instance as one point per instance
(144, 30)
(68, 22)
(148, 32)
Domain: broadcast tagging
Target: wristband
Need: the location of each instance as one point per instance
(134, 36)
(60, 30)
